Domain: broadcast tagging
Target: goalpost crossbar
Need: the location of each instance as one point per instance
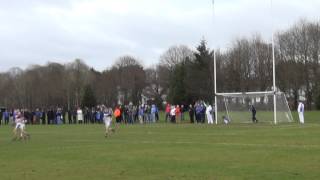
(251, 94)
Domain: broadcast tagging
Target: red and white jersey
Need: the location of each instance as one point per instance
(19, 117)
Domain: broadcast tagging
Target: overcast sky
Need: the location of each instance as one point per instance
(100, 31)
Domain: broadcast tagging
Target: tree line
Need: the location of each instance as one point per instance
(182, 76)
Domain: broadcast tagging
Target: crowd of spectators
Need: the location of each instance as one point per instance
(125, 114)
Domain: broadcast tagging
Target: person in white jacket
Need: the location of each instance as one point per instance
(209, 113)
(79, 115)
(301, 112)
(173, 114)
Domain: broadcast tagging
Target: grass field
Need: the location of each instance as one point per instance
(164, 151)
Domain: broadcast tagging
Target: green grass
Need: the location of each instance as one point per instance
(164, 151)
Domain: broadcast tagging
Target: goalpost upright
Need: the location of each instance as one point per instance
(274, 85)
(273, 71)
(215, 74)
(215, 88)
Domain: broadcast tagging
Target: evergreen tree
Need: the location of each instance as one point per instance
(200, 74)
(89, 98)
(177, 87)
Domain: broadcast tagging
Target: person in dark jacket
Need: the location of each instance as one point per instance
(74, 116)
(253, 112)
(6, 116)
(37, 115)
(51, 116)
(198, 110)
(43, 117)
(69, 116)
(191, 113)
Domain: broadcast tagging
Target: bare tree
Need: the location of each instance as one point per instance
(130, 78)
(154, 90)
(175, 55)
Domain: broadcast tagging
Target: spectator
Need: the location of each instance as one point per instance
(101, 115)
(209, 113)
(92, 115)
(301, 112)
(147, 112)
(38, 115)
(173, 114)
(167, 111)
(198, 109)
(97, 115)
(69, 116)
(86, 115)
(157, 114)
(117, 115)
(43, 117)
(191, 113)
(182, 113)
(6, 116)
(59, 116)
(203, 113)
(74, 116)
(153, 113)
(178, 114)
(136, 113)
(141, 114)
(79, 116)
(130, 113)
(50, 115)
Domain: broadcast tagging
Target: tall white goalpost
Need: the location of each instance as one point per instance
(244, 98)
(273, 72)
(215, 75)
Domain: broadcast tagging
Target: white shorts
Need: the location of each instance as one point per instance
(107, 122)
(20, 126)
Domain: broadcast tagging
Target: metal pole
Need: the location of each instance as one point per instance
(274, 85)
(274, 73)
(215, 88)
(215, 71)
